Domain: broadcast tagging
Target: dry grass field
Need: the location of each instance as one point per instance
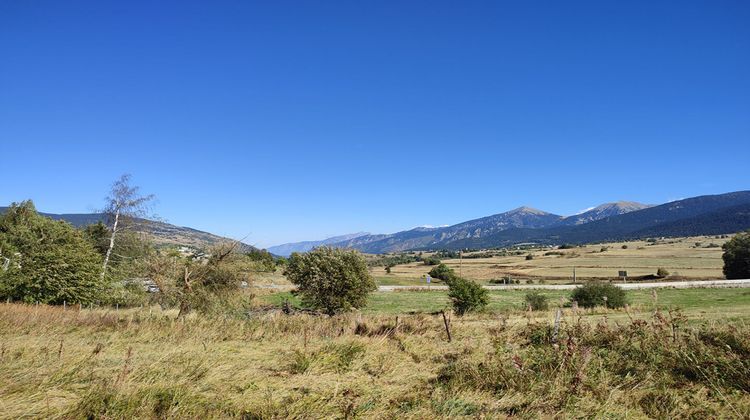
(680, 256)
(671, 353)
(143, 363)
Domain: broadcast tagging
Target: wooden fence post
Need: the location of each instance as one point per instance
(556, 331)
(447, 326)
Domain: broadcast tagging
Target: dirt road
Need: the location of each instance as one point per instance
(628, 286)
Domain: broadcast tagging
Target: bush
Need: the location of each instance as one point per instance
(662, 272)
(443, 272)
(737, 257)
(467, 296)
(431, 261)
(263, 259)
(46, 260)
(209, 285)
(503, 280)
(529, 257)
(537, 301)
(624, 247)
(331, 279)
(592, 294)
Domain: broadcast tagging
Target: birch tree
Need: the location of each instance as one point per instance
(124, 206)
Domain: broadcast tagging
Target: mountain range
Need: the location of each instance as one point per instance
(286, 250)
(622, 220)
(162, 233)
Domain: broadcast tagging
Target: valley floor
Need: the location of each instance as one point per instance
(685, 258)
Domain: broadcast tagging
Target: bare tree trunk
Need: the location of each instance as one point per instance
(111, 244)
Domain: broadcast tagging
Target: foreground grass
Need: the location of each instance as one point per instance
(125, 364)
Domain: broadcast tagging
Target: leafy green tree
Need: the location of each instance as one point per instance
(442, 272)
(98, 235)
(737, 257)
(46, 260)
(662, 272)
(466, 295)
(599, 294)
(331, 279)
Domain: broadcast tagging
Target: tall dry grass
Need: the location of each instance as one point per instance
(144, 363)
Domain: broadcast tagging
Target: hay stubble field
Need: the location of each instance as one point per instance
(687, 258)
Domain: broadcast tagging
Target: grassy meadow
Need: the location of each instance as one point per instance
(680, 256)
(671, 353)
(384, 363)
(695, 303)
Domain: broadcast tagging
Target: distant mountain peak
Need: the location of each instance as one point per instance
(603, 211)
(622, 204)
(528, 210)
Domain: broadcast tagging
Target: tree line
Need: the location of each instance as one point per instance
(52, 262)
(114, 263)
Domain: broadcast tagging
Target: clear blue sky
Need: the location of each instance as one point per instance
(296, 120)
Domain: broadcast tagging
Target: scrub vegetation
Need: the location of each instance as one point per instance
(146, 363)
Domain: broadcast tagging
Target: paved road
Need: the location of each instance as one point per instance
(639, 285)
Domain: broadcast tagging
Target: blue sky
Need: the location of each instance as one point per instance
(285, 121)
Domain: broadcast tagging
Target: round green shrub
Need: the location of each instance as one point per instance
(537, 301)
(431, 261)
(737, 257)
(442, 272)
(331, 279)
(592, 294)
(466, 295)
